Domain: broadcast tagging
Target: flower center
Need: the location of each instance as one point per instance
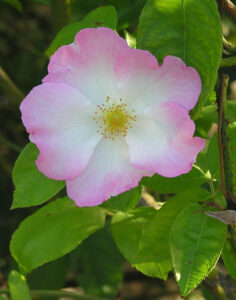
(113, 119)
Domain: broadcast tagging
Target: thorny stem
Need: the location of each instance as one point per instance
(224, 145)
(60, 14)
(38, 294)
(12, 92)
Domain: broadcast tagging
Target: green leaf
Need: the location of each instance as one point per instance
(124, 201)
(181, 28)
(208, 160)
(103, 16)
(18, 287)
(229, 258)
(128, 12)
(98, 264)
(232, 141)
(154, 244)
(53, 231)
(31, 186)
(196, 241)
(213, 157)
(209, 115)
(177, 184)
(127, 230)
(130, 39)
(49, 276)
(14, 3)
(231, 110)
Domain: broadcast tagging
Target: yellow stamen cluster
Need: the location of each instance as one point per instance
(113, 119)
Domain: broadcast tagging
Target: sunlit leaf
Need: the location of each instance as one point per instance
(154, 243)
(18, 287)
(127, 230)
(31, 186)
(181, 28)
(174, 185)
(124, 201)
(53, 231)
(196, 241)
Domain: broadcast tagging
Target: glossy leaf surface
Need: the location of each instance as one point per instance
(180, 28)
(53, 231)
(196, 241)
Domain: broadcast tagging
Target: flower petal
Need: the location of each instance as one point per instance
(143, 83)
(59, 120)
(162, 140)
(108, 173)
(88, 64)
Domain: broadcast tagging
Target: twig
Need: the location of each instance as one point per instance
(230, 8)
(38, 294)
(224, 145)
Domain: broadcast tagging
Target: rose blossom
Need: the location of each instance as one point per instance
(106, 115)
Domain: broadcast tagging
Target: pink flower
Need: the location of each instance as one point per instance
(106, 115)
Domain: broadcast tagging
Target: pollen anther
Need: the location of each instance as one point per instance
(114, 119)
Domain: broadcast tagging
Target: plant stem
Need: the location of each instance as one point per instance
(228, 46)
(12, 92)
(38, 294)
(60, 14)
(224, 145)
(212, 189)
(228, 62)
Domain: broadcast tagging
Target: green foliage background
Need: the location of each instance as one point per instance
(53, 242)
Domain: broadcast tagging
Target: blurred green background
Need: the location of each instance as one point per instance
(24, 37)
